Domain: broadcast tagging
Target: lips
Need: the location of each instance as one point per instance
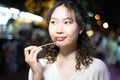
(60, 38)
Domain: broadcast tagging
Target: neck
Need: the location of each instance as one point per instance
(66, 57)
(67, 53)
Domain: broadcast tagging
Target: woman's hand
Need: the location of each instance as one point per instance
(31, 53)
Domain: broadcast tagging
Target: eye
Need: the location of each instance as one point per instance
(53, 22)
(68, 22)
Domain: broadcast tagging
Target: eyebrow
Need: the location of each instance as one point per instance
(68, 18)
(53, 18)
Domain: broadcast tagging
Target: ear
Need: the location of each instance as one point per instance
(82, 27)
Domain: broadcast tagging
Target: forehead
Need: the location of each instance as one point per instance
(63, 12)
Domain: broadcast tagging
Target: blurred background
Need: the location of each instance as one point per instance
(22, 23)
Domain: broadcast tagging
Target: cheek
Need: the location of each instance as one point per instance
(73, 33)
(51, 32)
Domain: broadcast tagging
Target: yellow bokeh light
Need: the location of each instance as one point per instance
(97, 17)
(99, 22)
(90, 32)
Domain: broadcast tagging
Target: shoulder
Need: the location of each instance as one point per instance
(98, 63)
(100, 68)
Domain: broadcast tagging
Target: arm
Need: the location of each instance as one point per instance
(36, 71)
(37, 76)
(33, 76)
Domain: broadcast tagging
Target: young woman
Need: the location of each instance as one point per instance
(71, 58)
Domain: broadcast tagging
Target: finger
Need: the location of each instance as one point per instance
(32, 56)
(33, 51)
(27, 50)
(38, 49)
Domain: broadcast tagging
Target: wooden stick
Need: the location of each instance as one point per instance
(48, 44)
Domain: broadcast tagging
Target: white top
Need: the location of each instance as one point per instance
(96, 71)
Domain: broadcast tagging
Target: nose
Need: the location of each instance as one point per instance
(59, 29)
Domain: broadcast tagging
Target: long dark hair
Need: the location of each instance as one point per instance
(85, 49)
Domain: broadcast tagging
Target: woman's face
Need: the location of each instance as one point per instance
(63, 27)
